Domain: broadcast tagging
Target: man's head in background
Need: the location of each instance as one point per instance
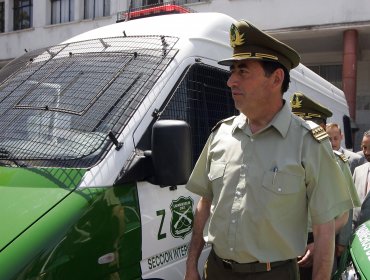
(335, 135)
(365, 145)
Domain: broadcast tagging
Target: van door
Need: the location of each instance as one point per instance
(202, 98)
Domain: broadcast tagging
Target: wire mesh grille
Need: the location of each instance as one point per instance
(60, 103)
(202, 99)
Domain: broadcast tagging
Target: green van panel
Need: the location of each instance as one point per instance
(27, 194)
(360, 250)
(93, 233)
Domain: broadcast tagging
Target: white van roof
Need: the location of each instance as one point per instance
(213, 27)
(207, 35)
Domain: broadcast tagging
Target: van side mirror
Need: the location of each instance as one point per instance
(171, 152)
(169, 162)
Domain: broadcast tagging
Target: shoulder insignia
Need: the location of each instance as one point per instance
(341, 156)
(317, 132)
(220, 122)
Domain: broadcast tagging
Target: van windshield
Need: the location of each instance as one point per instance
(59, 104)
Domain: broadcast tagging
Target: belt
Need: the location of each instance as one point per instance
(248, 267)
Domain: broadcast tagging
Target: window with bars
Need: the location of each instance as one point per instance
(202, 99)
(62, 11)
(96, 8)
(2, 17)
(22, 14)
(331, 73)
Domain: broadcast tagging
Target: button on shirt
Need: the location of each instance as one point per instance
(261, 186)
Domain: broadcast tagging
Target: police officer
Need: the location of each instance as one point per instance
(336, 137)
(316, 116)
(261, 173)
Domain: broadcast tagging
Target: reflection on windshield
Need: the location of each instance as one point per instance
(61, 103)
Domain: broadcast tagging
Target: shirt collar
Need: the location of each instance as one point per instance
(240, 122)
(280, 122)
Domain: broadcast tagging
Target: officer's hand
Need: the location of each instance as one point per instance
(307, 259)
(192, 274)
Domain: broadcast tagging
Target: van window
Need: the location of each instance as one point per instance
(202, 99)
(59, 105)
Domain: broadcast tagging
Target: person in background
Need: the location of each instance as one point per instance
(363, 159)
(336, 137)
(361, 178)
(261, 173)
(316, 114)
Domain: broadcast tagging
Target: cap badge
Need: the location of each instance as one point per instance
(296, 103)
(236, 39)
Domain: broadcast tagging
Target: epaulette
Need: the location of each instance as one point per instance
(341, 156)
(222, 121)
(317, 132)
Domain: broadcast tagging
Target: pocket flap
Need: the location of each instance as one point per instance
(216, 170)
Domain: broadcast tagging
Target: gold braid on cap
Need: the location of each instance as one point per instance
(268, 56)
(256, 55)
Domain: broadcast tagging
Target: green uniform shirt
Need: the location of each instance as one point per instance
(346, 232)
(344, 166)
(261, 186)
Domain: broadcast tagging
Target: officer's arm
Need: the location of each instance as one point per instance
(197, 242)
(341, 221)
(324, 235)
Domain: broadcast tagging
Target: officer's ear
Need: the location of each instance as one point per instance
(278, 77)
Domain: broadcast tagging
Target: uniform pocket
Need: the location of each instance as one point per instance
(217, 170)
(281, 194)
(281, 182)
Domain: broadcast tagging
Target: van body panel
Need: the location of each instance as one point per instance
(166, 226)
(28, 194)
(100, 226)
(27, 254)
(166, 231)
(360, 250)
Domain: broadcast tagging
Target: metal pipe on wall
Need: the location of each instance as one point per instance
(349, 72)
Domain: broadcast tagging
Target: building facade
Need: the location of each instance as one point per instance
(332, 36)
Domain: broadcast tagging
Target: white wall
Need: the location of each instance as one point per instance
(274, 14)
(42, 33)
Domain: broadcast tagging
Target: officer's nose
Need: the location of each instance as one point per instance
(232, 81)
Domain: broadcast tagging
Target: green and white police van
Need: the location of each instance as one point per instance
(355, 263)
(98, 136)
